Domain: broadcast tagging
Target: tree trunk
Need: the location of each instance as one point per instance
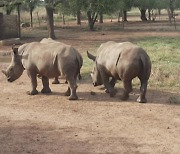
(78, 17)
(159, 11)
(149, 14)
(50, 22)
(91, 26)
(169, 15)
(91, 20)
(63, 19)
(19, 21)
(171, 7)
(8, 9)
(100, 17)
(143, 15)
(8, 12)
(124, 15)
(38, 19)
(31, 18)
(119, 16)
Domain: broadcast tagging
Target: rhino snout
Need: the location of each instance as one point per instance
(9, 80)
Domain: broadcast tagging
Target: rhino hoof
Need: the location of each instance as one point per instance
(68, 92)
(106, 91)
(34, 92)
(124, 97)
(73, 98)
(45, 91)
(141, 100)
(112, 93)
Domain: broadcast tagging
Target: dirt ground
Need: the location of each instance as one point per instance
(51, 124)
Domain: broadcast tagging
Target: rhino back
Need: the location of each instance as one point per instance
(47, 59)
(124, 55)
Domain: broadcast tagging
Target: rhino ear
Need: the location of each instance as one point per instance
(90, 56)
(15, 49)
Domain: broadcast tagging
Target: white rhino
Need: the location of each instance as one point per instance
(121, 61)
(48, 60)
(49, 40)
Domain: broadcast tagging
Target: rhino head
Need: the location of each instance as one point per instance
(15, 69)
(95, 74)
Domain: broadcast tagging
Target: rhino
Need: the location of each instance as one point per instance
(47, 60)
(121, 61)
(50, 40)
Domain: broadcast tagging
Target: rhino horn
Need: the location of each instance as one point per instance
(90, 56)
(4, 72)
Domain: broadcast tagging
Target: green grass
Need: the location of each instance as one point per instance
(165, 56)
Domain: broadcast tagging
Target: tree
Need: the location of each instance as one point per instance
(73, 7)
(49, 5)
(31, 5)
(94, 7)
(64, 8)
(76, 8)
(142, 5)
(126, 6)
(8, 6)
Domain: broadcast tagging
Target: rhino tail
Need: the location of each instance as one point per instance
(146, 65)
(79, 62)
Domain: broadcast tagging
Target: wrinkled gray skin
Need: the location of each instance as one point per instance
(121, 61)
(49, 40)
(48, 61)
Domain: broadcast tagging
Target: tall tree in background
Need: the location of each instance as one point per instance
(31, 5)
(8, 6)
(49, 5)
(63, 8)
(93, 9)
(126, 5)
(142, 5)
(76, 8)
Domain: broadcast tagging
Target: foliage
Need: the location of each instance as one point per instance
(30, 4)
(94, 7)
(9, 5)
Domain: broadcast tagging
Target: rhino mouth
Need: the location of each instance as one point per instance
(10, 79)
(95, 84)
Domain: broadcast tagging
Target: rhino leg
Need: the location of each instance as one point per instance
(112, 82)
(45, 82)
(143, 88)
(109, 88)
(33, 79)
(68, 92)
(56, 81)
(127, 89)
(72, 89)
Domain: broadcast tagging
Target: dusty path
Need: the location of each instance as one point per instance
(94, 124)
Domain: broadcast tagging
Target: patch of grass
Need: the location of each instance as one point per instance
(165, 57)
(87, 67)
